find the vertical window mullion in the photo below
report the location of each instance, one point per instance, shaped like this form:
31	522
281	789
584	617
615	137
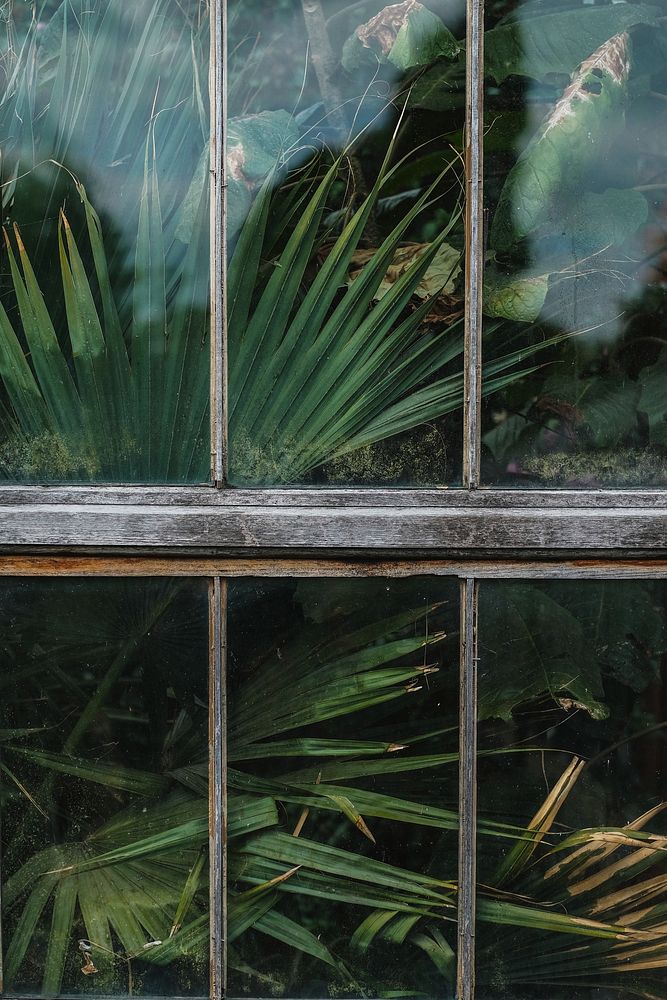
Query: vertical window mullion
217	784
467	790
218	99
474	251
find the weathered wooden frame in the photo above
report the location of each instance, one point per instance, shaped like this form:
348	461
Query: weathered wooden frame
468	523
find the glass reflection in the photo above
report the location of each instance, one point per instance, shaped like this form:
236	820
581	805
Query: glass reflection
104	371
345	228
103	787
575	184
571	791
343	780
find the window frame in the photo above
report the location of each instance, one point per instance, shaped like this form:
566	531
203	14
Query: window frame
219	532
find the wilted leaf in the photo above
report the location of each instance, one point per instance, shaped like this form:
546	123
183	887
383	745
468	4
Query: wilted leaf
440	277
405	34
575	135
255	144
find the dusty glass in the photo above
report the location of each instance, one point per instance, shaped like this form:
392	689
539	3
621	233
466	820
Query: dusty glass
342	788
575	181
572	758
104	366
104	787
345	233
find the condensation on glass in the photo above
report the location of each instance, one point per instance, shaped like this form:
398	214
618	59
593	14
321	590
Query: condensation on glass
575	184
571	836
104	128
104	787
342	788
346	241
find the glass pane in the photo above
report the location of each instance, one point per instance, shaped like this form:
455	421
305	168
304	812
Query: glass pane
104	787
345	231
104	369
575	184
343	783
572	830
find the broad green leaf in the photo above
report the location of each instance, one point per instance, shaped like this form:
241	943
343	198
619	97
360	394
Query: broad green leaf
597	221
576	237
407	35
541	44
612	617
440	88
506	439
518	297
605	406
552	655
574	136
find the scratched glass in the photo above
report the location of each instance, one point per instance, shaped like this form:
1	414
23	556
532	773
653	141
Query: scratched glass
104	358
345	233
575	184
572	831
104	788
343	784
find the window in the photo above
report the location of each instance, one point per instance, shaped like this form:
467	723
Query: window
333	538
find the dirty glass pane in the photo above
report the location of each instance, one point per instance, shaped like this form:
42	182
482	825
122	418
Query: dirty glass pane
575	185
572	891
103	787
342	791
345	232
104	370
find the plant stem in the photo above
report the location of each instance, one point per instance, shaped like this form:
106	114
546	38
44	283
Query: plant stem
324	62
327	68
